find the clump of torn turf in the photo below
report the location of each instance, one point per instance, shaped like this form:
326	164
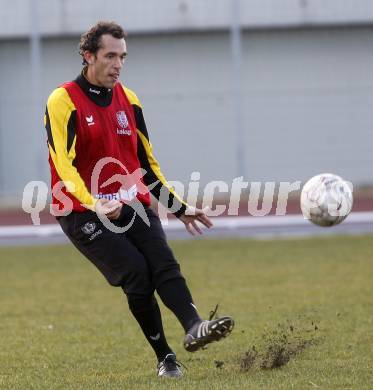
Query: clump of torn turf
279	345
247	361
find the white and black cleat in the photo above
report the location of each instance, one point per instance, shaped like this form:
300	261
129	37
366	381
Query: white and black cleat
206	332
169	367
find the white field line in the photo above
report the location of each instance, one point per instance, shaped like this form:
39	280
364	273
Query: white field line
230	223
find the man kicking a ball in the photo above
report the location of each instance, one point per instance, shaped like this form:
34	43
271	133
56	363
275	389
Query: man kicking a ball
94	121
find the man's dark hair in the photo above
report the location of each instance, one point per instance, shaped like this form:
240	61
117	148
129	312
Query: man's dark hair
91	40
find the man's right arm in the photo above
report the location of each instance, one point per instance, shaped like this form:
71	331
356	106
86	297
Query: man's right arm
60	118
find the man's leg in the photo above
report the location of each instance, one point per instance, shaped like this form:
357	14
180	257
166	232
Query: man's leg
122	265
176	296
147	313
171	285
166	275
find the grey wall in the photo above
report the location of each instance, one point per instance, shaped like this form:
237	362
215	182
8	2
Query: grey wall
20	141
23	151
66	17
307	98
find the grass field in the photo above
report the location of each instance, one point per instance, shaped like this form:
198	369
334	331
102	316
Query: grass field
306	306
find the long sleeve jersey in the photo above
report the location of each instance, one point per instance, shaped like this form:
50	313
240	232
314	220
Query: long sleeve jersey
99	148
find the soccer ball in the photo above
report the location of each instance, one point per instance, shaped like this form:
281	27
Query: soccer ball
326	199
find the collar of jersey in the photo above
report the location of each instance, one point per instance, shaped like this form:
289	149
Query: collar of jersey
100	95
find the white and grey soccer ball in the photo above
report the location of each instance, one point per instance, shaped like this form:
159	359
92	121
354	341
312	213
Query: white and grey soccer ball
326	199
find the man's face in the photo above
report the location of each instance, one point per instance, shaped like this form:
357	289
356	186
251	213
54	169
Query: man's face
105	66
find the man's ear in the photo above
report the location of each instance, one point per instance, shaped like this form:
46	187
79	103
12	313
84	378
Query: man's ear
89	57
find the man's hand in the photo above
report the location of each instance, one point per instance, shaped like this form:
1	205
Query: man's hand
110	208
190	217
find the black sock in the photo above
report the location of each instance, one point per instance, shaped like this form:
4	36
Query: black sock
176	296
147	313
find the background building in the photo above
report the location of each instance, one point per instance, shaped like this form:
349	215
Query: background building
292	99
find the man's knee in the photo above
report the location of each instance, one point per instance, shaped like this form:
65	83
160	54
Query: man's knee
137	282
139	303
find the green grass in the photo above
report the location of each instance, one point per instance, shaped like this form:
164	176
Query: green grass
63	327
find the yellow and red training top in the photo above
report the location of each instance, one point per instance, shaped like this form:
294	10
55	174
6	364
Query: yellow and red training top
98	141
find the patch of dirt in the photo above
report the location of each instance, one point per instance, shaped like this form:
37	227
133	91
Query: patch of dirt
279	345
248	360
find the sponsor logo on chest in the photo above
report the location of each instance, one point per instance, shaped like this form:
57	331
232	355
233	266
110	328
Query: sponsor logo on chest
123	123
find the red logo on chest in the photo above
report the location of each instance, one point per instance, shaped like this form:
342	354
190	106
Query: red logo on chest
122	119
123	123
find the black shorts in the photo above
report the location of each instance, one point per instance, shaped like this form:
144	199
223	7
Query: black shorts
139	259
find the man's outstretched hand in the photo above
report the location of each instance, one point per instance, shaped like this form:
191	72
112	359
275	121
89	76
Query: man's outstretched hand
190	218
110	208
